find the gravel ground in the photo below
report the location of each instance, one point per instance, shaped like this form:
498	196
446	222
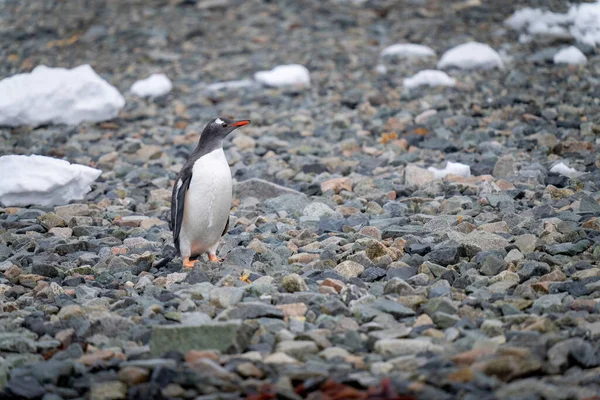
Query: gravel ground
370	279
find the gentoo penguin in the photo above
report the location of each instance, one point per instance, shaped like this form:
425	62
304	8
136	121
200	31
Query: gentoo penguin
202	194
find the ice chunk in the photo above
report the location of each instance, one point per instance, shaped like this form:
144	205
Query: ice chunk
452	168
381	69
407	50
570	55
428	77
562	169
57	96
284	75
230	85
155	85
581	22
528	17
43	181
471	55
586	23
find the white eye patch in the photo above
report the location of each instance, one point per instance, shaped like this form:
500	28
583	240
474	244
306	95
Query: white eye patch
218	121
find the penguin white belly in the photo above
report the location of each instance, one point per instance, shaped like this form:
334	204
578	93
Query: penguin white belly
207	204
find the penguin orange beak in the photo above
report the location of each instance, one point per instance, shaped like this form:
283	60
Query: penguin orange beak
241	123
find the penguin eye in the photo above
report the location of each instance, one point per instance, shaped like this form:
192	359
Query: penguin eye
224	125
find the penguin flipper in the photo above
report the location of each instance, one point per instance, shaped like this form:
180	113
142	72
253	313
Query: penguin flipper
226	227
177	204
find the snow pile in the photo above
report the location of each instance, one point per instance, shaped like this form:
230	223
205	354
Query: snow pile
452	168
535	21
58	96
155	85
230	85
407	50
471	55
428	77
570	55
562	169
284	75
381	69
581	22
43	181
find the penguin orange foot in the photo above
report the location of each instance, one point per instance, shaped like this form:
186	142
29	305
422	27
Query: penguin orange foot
245	277
214	258
187	263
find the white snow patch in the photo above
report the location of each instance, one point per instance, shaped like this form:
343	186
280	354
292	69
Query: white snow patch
155	85
428	77
407	50
562	169
230	85
43	181
57	96
570	55
451	168
581	22
381	69
284	75
471	55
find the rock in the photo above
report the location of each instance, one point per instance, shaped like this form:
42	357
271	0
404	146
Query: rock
492	327
14	342
297	348
505	166
64	233
417	176
51	220
334	352
514	256
132	376
302	258
294	283
70	311
97	357
72	210
25	387
526	243
334	283
260	189
250	310
401	347
337	185
446	255
475	242
292	203
113	390
317	209
391	307
280	358
533	268
349	269
223	336
398	286
440	304
492	265
226	296
293	309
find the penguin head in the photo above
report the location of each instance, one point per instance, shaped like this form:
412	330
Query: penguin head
219	128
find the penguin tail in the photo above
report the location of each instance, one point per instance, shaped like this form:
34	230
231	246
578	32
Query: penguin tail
168	254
